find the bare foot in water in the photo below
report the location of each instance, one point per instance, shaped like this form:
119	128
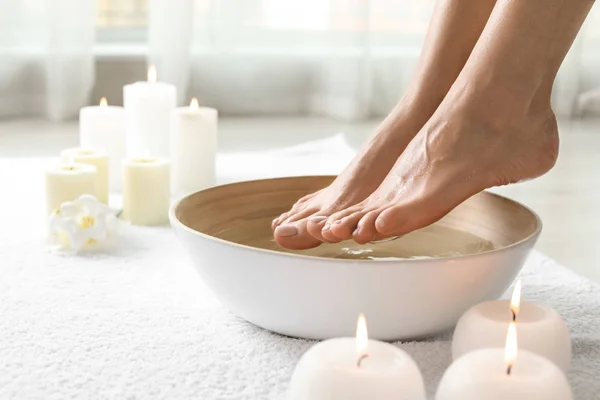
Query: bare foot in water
454	30
461	151
494	127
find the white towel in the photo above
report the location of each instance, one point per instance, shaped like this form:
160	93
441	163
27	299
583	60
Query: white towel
138	323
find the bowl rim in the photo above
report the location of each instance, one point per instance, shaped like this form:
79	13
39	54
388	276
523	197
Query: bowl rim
176	222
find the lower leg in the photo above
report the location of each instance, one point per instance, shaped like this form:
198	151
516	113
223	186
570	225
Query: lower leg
454	30
494	127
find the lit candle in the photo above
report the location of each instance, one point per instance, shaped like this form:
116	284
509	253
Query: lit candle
146	191
356	369
193	147
103	128
66	182
500	374
149	105
541	329
97	159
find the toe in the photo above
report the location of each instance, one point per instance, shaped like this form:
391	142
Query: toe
391	221
295	236
345	227
365	230
404	218
315	225
327	234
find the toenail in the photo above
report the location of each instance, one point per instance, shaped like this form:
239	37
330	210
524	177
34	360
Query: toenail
327	226
317	219
286	230
380	222
356	231
339	221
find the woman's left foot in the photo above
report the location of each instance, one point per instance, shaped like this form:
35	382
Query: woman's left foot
466	147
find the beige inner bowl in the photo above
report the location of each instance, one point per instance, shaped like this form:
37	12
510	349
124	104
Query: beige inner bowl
242	213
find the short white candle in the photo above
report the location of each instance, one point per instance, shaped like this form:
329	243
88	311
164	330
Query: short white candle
146	191
95	158
66	182
356	369
104	128
193	148
541	329
500	374
149	105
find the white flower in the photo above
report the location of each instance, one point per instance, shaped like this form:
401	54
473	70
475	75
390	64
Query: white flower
78	223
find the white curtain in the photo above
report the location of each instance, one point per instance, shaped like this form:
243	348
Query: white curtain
46	57
349	59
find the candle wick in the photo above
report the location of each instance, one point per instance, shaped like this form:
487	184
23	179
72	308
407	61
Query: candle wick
508	369
514	315
360	359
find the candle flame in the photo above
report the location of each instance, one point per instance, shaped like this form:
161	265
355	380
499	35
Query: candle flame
194	103
515	302
362	336
510	350
152	73
103	102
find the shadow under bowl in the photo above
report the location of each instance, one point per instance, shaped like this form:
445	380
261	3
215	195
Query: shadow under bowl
226	231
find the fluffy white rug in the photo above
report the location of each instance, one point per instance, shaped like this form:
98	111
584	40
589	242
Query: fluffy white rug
137	322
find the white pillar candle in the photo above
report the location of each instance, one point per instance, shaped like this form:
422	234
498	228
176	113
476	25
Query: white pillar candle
146	191
193	148
500	374
66	182
541	330
97	159
356	369
104	128
149	105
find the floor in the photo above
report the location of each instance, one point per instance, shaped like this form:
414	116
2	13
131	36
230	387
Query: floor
567	198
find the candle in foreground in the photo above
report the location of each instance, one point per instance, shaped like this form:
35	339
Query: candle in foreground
356	369
501	374
149	105
193	148
66	182
97	159
541	329
103	128
146	191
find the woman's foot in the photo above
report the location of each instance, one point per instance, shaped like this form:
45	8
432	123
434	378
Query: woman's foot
454	29
466	147
300	228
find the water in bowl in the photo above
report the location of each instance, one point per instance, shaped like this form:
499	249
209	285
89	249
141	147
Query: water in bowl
435	241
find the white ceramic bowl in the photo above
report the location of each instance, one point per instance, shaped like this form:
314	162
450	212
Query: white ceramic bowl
298	294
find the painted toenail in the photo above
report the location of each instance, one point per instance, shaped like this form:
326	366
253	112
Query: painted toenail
317	219
327	226
286	230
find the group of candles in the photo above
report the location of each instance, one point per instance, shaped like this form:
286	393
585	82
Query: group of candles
148	150
488	364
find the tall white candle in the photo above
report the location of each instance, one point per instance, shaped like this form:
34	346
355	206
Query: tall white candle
356	369
104	128
541	329
146	191
149	105
66	182
501	374
193	148
97	159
